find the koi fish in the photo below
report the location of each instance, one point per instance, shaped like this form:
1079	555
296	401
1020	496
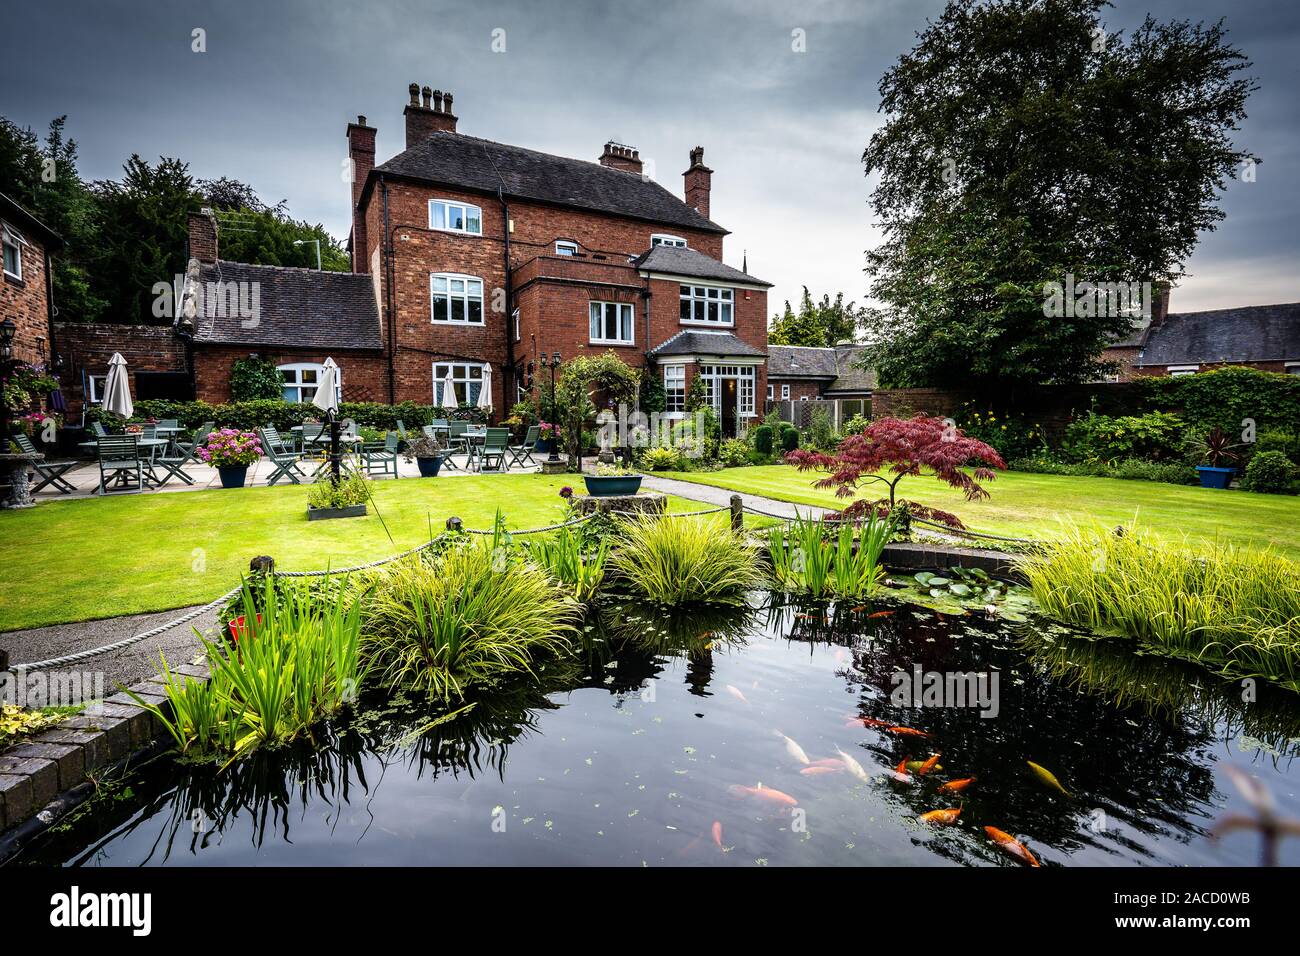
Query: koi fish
811	617
765	793
859	609
793	749
873	722
835	763
908	731
927	766
956	786
940	818
914	765
879	614
899	773
717	832
813	771
1012	846
735	692
1047	777
853	766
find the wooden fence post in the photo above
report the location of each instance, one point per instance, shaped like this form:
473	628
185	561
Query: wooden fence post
453	524
737	513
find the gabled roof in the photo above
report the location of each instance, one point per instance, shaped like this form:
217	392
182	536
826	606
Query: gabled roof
454	159
850	376
300	308
691	263
29	225
837	366
719	344
1257	333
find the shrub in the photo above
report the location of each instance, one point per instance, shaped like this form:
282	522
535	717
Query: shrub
1278	439
1173	473
763	439
1013	436
733	453
255	379
685	560
661	459
1271	472
352	488
1227	396
284	415
789	438
1157	436
856	425
812	559
821	434
561	556
469	617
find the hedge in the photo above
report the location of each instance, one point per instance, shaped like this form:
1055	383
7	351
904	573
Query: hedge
1227	396
284	415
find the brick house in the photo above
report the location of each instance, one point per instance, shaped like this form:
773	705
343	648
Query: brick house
1265	337
798	373
25	281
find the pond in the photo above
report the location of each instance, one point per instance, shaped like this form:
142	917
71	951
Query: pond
720	739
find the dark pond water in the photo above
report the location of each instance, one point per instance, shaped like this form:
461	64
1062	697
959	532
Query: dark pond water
667	747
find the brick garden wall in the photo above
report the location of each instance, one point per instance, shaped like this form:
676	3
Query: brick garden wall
1050	406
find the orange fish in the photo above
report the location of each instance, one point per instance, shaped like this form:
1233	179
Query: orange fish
765	793
879	614
835	763
908	731
1012	846
956	786
813	771
928	765
859	609
717	832
940	818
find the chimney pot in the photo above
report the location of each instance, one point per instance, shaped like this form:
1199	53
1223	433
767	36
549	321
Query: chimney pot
437	101
361	120
425	94
446	102
414	90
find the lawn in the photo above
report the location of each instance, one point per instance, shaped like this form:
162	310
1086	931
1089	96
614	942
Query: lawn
92	558
1031	505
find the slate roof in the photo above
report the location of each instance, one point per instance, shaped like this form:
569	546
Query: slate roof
679	261
295	308
29	225
691	342
454	159
836	367
1257	333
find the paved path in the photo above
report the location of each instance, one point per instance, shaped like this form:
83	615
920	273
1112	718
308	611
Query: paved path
722	496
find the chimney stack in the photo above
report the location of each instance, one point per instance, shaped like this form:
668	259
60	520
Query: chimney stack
203	235
361	154
618	156
428	112
699	180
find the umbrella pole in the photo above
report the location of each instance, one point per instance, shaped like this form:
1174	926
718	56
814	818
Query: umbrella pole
334	446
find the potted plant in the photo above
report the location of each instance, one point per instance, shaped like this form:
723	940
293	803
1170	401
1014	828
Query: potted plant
345	498
1217	449
611	480
231	451
548	434
429	454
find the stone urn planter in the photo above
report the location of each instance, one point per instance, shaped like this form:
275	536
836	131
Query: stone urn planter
232	476
322	514
13	472
429	467
607	486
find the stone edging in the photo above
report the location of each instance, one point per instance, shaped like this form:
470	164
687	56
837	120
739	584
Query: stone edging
37	772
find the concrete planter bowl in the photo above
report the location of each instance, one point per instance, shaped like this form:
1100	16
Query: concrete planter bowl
322	514
605	486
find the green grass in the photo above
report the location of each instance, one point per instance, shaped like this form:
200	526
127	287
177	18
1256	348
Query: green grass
1030	505
91	558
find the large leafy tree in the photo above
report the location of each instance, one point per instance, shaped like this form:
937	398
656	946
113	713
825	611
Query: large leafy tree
1024	142
818	324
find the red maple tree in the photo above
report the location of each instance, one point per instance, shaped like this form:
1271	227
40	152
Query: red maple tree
890	449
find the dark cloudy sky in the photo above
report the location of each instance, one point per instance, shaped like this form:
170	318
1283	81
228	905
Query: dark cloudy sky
268	101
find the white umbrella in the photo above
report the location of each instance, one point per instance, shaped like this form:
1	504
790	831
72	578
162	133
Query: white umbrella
327	389
485	390
117	388
449	391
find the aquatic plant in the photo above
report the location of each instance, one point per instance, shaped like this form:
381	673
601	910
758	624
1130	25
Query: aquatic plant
1234	610
820	560
685	560
470	616
561	556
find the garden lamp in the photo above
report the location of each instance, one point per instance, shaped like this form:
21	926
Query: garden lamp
553	364
7	330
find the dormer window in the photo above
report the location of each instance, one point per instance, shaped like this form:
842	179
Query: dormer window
664	239
565	248
448	215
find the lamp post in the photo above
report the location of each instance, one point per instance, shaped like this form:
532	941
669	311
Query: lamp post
7	332
553	364
299	242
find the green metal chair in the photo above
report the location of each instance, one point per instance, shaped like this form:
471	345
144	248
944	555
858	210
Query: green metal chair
98	429
189	450
381	459
522	454
119	457
284	460
51	472
496	445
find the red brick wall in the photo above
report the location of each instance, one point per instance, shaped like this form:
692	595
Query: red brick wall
1159	370
799	389
363	373
26	303
86	349
1050	406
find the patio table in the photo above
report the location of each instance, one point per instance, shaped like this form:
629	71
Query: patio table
150	444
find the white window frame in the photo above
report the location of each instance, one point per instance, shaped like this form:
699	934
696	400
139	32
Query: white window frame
1292	368
465	297
463	376
746	377
514	323
700	296
563	247
1176	371
667	239
622	309
674	388
770	393
447	205
298	385
785	393
95	388
13	239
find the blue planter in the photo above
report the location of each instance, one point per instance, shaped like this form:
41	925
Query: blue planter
232	476
606	486
429	466
1215	477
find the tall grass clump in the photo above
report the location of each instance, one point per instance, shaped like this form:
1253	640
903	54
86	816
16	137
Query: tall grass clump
560	555
1234	610
296	661
685	560
811	559
473	615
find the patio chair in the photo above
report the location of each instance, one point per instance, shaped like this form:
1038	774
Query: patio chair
523	453
401	430
189	450
284	460
119	456
169	423
381	458
51	472
496	444
98	429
